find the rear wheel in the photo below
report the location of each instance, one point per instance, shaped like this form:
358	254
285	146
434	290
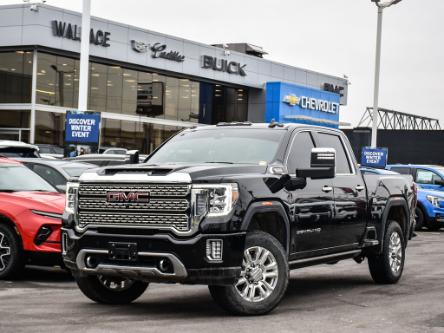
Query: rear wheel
110	290
263	280
11	254
419	214
387	267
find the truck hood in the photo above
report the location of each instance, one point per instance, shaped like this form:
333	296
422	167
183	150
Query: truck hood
52	202
177	172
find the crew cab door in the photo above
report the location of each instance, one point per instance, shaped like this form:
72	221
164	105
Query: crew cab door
313	205
346	228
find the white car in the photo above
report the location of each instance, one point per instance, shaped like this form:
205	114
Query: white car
18	149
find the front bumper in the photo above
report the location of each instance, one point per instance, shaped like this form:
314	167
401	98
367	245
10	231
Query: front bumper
88	254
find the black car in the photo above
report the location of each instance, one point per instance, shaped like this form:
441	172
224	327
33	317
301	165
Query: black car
235	207
103	160
56	172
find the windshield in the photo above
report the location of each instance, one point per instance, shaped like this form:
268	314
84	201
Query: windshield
19	178
225	145
76	171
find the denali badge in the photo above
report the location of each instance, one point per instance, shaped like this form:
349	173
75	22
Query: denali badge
139	197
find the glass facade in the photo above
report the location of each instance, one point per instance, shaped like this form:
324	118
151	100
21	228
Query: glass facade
15	77
113	89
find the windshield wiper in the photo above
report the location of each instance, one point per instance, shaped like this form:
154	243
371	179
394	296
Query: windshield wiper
7	191
220	162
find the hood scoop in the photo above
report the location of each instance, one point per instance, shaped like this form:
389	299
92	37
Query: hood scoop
146	171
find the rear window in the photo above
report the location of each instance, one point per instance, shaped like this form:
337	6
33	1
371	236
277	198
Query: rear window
18	152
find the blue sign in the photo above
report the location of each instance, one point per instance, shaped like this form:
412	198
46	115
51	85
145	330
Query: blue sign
82	127
374	157
290	103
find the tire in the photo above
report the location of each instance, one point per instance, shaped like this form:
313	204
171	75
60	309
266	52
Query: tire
387	267
420	216
261	293
104	289
11	254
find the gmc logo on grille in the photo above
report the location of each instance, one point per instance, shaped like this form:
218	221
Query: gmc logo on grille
139	197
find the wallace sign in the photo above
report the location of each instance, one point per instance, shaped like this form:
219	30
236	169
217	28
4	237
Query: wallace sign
72	31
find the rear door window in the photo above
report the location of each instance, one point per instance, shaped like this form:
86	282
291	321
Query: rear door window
324	140
51	175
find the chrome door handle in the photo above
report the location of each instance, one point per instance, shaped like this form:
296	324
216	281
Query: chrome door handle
359	188
327	189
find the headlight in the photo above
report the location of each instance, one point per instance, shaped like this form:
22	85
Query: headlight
71	197
47	214
214	199
435	200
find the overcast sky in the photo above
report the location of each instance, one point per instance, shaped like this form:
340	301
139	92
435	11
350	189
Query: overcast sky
331	36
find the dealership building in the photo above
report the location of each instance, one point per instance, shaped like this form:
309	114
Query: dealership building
146	85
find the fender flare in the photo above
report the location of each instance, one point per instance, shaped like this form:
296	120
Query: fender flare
274	207
394	202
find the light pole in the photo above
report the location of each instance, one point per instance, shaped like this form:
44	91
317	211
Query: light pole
84	56
381	6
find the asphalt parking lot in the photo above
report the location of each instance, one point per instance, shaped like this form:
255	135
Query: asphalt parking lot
338	298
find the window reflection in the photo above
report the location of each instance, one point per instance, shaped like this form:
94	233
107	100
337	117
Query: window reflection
131	135
49	128
57	80
15	77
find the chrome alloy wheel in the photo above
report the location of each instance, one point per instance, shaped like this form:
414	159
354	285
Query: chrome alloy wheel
259	274
115	283
5	252
395	252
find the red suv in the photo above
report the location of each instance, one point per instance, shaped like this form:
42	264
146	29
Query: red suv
30	219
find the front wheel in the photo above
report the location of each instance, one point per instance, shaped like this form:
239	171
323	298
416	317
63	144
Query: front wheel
387	267
11	254
110	290
263	280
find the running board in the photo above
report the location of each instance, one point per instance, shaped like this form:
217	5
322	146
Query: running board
370	242
323	259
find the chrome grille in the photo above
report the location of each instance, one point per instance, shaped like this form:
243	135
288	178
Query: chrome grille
177	221
168	206
156	190
100	204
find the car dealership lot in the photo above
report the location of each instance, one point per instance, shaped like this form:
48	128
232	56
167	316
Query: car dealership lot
339	298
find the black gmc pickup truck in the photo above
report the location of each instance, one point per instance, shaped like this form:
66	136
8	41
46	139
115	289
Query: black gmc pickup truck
234	206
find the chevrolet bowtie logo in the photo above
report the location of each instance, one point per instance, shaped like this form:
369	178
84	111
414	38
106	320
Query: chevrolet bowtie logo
291	99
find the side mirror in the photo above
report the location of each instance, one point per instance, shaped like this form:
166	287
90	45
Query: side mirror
323	164
132	157
439	182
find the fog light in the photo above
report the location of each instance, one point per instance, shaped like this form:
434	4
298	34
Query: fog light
42	235
214	250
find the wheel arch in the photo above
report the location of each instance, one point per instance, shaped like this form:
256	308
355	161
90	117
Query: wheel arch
271	217
396	209
7	220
